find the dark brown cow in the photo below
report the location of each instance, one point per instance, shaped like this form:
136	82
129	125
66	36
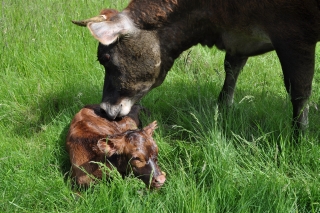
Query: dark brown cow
139	44
120	144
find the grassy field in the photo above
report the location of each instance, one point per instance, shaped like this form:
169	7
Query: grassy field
215	161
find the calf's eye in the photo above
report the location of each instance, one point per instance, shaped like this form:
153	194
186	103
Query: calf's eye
134	158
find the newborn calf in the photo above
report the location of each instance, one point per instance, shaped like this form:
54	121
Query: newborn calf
118	144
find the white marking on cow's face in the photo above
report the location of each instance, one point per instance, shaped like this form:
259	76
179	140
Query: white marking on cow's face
126	105
133	67
157	64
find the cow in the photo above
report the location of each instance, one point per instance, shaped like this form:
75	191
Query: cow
138	45
93	139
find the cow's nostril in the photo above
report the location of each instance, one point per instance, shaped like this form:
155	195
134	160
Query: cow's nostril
102	111
103	108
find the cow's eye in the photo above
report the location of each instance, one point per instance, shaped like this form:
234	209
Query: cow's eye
106	57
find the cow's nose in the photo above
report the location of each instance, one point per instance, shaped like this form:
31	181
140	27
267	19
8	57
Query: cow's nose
102	111
105	114
109	110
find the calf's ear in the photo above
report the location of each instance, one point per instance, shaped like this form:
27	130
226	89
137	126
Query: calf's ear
107	32
112	146
105	148
150	128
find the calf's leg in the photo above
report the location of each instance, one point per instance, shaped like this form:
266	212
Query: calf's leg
81	166
232	65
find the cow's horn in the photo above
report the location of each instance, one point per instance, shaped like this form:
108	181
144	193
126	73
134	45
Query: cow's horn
84	23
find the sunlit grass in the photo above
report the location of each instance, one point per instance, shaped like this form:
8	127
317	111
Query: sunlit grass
237	160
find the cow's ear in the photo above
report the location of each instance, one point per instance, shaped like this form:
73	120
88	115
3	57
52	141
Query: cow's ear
107	32
108	13
105	15
112	146
150	128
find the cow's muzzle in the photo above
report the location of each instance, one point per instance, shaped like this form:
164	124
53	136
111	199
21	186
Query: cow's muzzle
117	110
111	111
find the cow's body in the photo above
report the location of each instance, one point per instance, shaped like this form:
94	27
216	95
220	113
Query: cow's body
142	42
93	139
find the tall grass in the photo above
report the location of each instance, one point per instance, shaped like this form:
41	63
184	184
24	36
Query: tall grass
236	160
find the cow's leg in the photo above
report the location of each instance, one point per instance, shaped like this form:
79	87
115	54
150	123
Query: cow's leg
297	61
232	66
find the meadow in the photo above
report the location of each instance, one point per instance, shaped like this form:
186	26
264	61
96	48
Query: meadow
236	160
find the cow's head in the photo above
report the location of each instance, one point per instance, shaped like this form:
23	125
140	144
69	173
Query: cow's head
131	57
137	152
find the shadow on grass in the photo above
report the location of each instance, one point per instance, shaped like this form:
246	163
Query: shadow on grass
52	114
185	112
53	108
65	164
191	112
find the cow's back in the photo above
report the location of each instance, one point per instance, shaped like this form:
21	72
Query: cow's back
285	16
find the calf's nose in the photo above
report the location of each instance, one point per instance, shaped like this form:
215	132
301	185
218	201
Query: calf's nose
160	179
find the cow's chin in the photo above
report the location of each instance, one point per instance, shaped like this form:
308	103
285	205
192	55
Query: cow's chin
119	110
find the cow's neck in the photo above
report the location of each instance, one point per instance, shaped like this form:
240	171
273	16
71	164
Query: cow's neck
178	25
185	33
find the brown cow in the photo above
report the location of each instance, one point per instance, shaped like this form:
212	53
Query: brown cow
138	45
118	144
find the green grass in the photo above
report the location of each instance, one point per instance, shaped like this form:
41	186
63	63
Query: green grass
215	161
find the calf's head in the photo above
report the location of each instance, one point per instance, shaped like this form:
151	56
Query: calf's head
131	58
136	152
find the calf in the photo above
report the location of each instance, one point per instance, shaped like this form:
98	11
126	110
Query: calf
118	144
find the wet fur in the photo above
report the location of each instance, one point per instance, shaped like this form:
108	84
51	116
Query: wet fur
93	138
